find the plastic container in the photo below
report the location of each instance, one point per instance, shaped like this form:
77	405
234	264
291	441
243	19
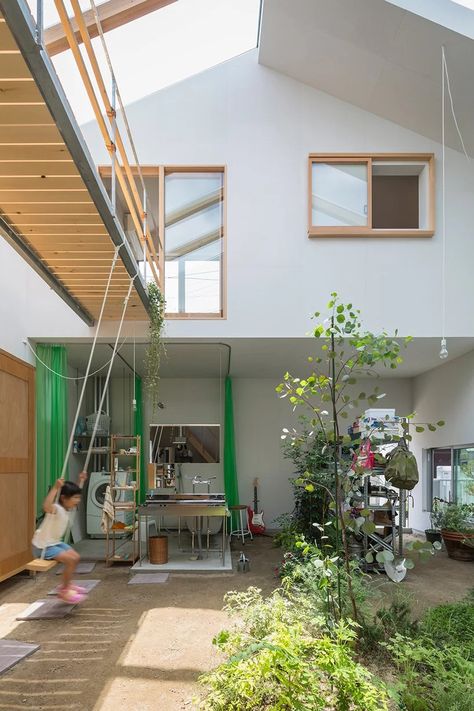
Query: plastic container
380	413
158	550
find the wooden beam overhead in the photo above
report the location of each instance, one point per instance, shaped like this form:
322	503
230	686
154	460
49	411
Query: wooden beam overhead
53	207
112	14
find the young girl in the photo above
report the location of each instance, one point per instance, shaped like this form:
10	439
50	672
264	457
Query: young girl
47	541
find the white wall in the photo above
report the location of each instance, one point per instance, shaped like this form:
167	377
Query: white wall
262	125
445	393
28	307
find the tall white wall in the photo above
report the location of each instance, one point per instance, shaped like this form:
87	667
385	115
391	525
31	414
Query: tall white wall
445	393
263	125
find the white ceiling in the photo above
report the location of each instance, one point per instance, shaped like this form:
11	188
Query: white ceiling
251	357
375	55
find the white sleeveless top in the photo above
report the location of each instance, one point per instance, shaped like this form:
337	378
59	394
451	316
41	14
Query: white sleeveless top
52	528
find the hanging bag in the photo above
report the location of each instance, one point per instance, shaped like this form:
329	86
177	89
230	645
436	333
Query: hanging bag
401	469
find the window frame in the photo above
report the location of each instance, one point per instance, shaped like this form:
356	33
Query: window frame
164	171
369	231
430	470
159	172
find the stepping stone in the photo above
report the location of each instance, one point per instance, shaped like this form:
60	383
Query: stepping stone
12	652
148	578
87	584
46	609
85	567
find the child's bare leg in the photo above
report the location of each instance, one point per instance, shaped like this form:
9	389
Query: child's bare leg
69	559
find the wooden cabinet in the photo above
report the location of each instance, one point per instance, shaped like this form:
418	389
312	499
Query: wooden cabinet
17	463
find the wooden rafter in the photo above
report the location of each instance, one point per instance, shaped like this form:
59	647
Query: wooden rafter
46	209
112	14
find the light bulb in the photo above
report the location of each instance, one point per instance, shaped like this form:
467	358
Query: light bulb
134	405
443	354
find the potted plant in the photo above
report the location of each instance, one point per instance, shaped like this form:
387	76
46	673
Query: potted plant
433	534
457	529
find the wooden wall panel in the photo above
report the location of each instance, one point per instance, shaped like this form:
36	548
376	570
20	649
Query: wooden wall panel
17	463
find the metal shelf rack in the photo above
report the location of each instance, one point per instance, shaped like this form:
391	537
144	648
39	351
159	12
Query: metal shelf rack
120	449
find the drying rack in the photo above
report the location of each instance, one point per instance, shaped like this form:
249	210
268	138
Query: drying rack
392	537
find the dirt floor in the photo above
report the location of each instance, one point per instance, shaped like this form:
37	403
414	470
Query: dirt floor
142	648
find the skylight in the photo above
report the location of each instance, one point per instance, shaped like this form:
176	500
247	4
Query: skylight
465	3
164	47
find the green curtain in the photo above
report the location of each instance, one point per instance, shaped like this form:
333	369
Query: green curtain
138	430
51	417
230	469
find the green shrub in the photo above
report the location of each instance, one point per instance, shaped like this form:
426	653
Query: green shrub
311	460
430	677
457	517
391	618
314	580
282	659
451	624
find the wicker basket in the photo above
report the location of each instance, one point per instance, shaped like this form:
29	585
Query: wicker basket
103	425
158	549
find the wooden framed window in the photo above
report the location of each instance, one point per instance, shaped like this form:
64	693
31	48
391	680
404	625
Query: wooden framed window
188	205
194	239
371	195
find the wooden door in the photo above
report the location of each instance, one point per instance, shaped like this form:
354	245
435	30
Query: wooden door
17	463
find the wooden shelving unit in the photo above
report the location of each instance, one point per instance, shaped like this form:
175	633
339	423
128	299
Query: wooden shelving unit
122	543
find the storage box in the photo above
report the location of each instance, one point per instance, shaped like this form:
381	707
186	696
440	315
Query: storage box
380	422
380	413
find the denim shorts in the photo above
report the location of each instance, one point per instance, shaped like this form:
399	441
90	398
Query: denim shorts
51	551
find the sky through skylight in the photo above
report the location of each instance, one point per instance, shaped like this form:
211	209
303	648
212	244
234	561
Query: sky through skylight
466	3
163	47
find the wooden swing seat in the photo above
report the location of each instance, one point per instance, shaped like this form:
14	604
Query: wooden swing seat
40	565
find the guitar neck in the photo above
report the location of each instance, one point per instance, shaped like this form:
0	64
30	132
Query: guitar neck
255	499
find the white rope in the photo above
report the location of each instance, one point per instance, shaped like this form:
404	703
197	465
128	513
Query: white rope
448	86
68	377
83	389
106	384
443	198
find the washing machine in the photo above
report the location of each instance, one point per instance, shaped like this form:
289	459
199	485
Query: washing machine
98	482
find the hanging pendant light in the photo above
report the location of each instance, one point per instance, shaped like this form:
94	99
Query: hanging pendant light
443	354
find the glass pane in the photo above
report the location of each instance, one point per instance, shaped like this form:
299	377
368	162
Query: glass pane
340	194
193	242
442	475
464	475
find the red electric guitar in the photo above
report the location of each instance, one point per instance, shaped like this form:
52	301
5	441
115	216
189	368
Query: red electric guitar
256	522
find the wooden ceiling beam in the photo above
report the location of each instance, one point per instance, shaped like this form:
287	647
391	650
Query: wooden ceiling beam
112	14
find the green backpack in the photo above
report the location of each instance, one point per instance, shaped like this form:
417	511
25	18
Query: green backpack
401	469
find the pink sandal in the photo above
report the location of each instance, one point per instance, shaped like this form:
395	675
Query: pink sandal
71	596
79	589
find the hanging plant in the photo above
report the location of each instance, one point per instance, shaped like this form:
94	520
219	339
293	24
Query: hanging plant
156	348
